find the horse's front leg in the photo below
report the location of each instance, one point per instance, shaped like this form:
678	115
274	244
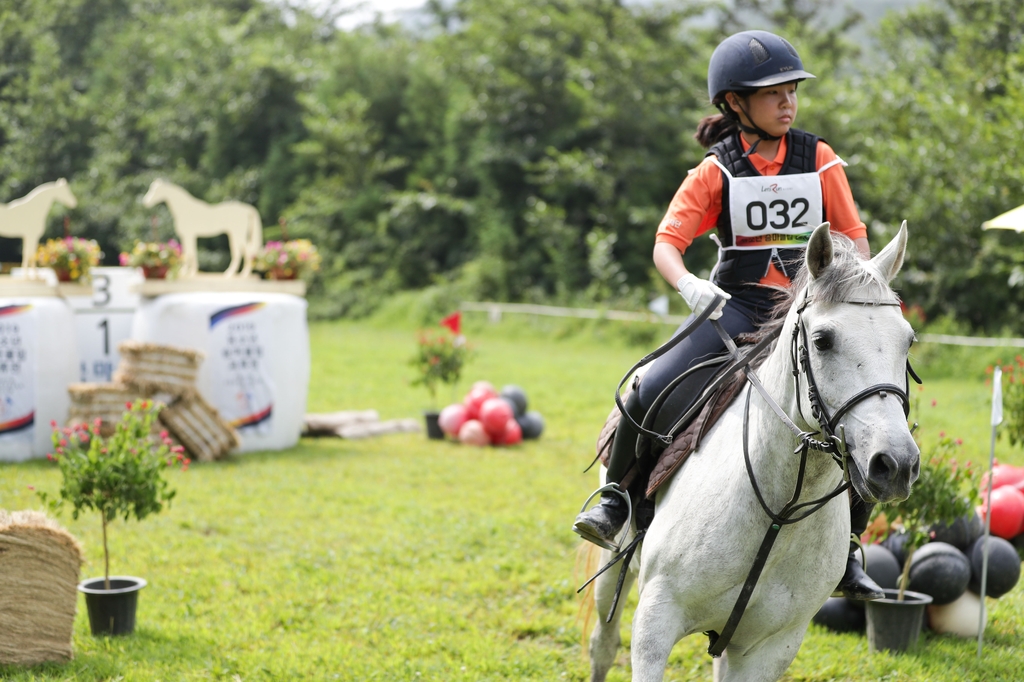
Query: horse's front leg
189	254
604	641
29	246
658	624
767	663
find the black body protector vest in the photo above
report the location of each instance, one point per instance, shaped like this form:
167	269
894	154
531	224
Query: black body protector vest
765	219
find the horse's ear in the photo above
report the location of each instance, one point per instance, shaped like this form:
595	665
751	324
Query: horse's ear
61	181
890	259
819	250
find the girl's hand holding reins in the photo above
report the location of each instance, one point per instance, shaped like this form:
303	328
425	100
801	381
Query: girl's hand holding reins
699	293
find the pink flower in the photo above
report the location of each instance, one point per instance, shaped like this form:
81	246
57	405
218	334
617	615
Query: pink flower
128	405
53	423
959	441
934	403
31	487
50	457
942	434
63	442
124	259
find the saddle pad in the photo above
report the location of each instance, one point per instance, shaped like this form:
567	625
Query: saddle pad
687	441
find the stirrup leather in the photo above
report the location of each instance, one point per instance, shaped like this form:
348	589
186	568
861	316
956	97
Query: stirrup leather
600	542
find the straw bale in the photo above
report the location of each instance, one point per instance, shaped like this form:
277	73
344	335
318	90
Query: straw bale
39	573
151	368
199	427
103	401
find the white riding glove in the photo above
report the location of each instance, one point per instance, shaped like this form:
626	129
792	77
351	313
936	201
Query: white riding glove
699	293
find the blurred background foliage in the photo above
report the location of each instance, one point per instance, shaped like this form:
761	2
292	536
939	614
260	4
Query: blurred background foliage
508	150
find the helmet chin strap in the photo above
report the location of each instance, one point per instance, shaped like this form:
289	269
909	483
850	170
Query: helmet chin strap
752	130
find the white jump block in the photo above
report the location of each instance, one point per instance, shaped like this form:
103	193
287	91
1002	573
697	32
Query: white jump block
38	359
257	362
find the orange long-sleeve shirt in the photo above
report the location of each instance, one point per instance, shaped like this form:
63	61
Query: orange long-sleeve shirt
698	201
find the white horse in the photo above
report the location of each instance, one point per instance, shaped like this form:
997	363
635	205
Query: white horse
26	218
709	524
195	218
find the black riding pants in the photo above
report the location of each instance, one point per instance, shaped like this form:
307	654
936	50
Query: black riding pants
704	343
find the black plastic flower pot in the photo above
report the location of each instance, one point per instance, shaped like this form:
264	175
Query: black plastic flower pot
895	625
434	431
112	612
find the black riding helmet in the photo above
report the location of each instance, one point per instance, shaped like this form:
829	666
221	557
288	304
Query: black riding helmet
750	60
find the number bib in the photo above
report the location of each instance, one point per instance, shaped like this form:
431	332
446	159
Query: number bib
778	211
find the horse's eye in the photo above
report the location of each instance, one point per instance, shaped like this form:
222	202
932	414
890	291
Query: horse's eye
822	341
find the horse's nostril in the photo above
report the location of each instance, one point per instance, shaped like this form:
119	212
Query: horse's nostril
915	470
883	468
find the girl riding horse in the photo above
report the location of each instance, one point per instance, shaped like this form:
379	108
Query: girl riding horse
764	186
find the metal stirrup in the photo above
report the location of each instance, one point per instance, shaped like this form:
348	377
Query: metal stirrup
609	488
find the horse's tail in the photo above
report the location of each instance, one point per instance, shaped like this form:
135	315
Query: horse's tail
588	557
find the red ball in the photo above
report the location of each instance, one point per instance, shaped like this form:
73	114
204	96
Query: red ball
486	385
477	397
1007	512
1003	474
494	414
452	418
472	433
513	433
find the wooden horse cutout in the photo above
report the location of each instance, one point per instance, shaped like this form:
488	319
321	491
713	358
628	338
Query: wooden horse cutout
195	218
26	218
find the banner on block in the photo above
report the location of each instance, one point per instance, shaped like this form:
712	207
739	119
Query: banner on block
17	373
242	389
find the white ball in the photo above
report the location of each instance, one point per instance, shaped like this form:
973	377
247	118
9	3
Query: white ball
958	617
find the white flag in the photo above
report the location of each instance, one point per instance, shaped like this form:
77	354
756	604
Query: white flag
997	396
659	306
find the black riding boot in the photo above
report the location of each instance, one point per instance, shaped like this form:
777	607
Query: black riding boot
602	522
857	584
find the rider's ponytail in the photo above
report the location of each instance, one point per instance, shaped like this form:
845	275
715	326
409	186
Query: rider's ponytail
713	128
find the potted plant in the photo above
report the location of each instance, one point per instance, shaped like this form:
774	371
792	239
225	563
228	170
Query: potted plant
287	260
117	476
157	259
71	258
439	359
944	492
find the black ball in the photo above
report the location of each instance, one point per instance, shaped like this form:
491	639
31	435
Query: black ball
941	571
882	566
839	614
961	533
532	424
1018	542
895	544
1003	566
516	396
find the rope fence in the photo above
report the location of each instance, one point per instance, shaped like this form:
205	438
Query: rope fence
496	310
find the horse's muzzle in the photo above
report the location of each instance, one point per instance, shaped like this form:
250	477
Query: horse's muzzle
890	476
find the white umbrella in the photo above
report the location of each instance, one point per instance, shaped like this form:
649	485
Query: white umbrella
1011	220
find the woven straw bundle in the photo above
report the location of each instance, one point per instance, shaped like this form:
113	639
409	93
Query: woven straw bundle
154	368
100	401
199	427
39	572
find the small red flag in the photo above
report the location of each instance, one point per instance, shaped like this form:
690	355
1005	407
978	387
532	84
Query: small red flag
453	322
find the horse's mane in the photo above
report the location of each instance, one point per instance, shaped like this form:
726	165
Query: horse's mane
849	272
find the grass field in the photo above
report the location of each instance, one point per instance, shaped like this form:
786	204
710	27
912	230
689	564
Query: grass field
399	558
